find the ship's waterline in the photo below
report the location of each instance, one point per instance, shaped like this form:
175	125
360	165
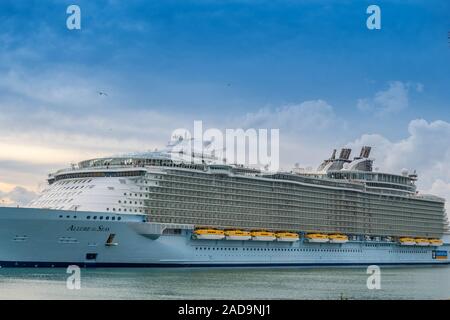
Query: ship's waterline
152	210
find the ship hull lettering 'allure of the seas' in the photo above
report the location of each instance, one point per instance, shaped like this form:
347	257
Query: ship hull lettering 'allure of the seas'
154	209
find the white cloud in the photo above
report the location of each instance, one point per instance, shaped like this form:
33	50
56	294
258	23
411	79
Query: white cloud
426	149
60	117
17	196
310	115
50	119
48	138
308	130
55	88
42	127
419	87
390	101
441	188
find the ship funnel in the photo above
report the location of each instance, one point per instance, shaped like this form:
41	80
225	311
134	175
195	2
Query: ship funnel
365	152
345	154
333	155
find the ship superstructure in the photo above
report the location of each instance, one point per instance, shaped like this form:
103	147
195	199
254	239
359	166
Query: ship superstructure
189	208
343	195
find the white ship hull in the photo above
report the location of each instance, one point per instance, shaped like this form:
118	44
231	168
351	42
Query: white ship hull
56	238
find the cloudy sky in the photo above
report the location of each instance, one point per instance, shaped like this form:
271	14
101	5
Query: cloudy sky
310	68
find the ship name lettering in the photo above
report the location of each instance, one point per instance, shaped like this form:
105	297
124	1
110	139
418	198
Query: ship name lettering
95	229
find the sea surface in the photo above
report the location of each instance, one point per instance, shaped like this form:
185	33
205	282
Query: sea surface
268	283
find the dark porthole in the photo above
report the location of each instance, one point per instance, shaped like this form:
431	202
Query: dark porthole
107	218
101	218
119	218
88	217
95	218
113	218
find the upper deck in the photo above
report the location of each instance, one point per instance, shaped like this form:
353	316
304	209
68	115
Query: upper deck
334	172
340	197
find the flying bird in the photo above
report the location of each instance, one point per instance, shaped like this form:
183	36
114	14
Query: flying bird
101	93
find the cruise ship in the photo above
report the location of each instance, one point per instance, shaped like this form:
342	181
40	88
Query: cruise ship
159	209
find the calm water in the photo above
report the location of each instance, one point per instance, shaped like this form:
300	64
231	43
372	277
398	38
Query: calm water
350	283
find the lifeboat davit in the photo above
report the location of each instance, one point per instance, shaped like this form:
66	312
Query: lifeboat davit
317	237
338	238
407	241
287	236
422	242
436	242
237	235
209	234
263	236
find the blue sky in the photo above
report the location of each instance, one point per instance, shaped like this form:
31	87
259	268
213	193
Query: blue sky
271	52
229	63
